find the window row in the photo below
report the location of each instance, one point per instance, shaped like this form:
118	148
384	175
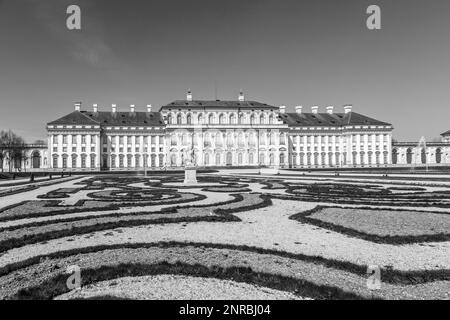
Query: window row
221	118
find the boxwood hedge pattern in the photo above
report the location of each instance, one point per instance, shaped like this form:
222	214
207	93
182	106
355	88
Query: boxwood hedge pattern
182	204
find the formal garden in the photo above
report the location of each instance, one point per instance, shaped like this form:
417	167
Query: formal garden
230	236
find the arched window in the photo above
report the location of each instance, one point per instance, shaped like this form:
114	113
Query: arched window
261	119
240	158
137	161
232	119
173	160
271	119
55	161
250	158
252	119
272	159
241	139
92	159
121	161
221	119
83	161
217	159
179	119
211	118
272	138
409	154
200	118
169	118
153	160
206	159
74	160
423	155
281	158
438	155
394	156
188	119
35	160
241	118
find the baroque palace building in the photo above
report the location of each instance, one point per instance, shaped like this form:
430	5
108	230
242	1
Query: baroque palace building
222	133
216	133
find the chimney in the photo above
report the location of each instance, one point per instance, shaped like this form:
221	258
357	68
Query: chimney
132	108
77	106
149	108
95	107
282	109
298	109
314	109
241	95
189	95
330	109
114	108
347	108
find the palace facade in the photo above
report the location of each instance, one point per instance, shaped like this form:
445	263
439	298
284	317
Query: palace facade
216	133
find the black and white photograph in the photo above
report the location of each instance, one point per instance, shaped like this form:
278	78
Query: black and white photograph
225	155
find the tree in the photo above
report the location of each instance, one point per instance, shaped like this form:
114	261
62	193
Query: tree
12	148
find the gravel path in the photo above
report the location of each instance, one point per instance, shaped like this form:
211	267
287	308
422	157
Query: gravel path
175	287
265	228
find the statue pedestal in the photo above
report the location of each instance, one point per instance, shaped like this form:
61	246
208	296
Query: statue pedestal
190	175
271	171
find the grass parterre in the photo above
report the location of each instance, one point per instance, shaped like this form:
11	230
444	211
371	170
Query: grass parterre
300	239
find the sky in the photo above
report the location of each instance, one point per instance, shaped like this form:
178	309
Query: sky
280	52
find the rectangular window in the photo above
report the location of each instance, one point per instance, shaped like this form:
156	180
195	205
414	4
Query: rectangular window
64	139
92	149
64	149
74	149
137	149
121	140
74	139
83	149
55	149
83	139
92	139
92	162
83	162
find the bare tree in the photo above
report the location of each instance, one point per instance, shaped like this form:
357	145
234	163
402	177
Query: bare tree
12	148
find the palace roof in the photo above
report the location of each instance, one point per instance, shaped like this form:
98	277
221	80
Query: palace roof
200	104
446	133
329	120
105	118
